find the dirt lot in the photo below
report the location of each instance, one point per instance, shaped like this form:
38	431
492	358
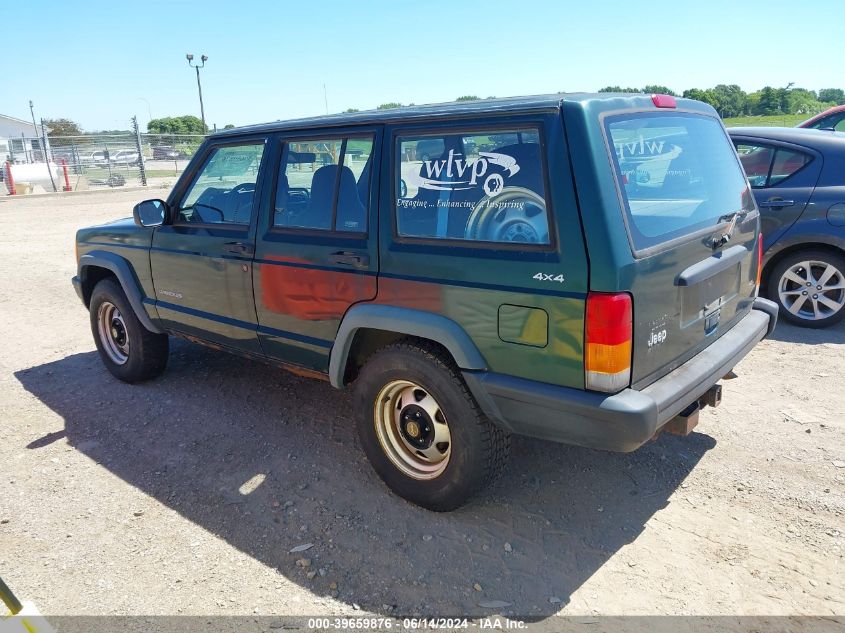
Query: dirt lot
185	495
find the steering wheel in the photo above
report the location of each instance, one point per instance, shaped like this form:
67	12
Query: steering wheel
514	214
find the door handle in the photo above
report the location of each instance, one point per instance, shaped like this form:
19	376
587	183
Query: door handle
238	248
345	258
776	203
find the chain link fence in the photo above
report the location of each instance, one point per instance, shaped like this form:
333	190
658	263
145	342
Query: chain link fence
91	161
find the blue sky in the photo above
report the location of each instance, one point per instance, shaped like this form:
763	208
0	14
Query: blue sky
99	63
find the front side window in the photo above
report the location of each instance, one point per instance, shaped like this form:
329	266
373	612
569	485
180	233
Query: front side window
677	172
324	185
479	186
224	189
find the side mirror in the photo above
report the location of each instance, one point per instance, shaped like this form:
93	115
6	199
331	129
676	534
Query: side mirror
150	213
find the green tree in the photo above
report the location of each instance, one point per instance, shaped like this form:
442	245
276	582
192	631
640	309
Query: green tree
832	95
657	89
350	110
467	98
707	96
388	106
229	126
618	89
187	124
801	101
62	127
732	100
770	101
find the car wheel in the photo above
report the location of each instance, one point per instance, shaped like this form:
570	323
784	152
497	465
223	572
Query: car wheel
422	430
809	287
129	350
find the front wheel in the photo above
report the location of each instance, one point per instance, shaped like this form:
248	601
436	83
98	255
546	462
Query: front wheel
422	430
129	350
809	287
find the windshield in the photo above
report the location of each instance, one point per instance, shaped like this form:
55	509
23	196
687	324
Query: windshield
678	173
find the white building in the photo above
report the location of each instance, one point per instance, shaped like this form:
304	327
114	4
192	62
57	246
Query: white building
18	142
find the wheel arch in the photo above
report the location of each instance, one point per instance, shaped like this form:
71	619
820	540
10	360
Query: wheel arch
366	327
817	243
98	265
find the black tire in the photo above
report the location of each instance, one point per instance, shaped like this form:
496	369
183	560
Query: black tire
805	318
478	448
147	352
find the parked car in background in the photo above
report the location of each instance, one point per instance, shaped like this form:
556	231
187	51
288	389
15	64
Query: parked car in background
124	157
798	179
165	152
89	158
832	119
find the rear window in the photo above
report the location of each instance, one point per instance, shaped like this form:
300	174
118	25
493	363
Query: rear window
677	172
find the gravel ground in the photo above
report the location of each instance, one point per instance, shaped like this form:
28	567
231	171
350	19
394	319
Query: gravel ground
185	495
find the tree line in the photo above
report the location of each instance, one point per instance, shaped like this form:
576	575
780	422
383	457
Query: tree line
733	101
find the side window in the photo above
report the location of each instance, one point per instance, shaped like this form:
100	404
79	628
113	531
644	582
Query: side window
479	186
766	166
324	184
756	161
223	191
835	121
786	163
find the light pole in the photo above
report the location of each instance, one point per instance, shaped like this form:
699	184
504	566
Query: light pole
34	127
203	58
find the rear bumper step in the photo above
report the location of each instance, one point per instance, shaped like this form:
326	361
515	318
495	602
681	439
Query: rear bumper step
625	420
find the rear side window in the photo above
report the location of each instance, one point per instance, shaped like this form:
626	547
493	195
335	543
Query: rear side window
677	172
472	186
766	166
324	184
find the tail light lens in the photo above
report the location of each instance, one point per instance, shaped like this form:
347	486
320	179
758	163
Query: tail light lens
608	333
759	261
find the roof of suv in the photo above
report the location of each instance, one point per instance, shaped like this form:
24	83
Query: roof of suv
453	108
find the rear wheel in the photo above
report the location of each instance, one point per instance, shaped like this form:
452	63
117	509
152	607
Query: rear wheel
129	350
422	430
809	287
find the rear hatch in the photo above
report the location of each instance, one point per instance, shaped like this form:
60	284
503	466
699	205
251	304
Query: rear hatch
691	223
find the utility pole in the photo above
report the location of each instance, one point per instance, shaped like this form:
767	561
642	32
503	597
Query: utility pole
34	127
203	58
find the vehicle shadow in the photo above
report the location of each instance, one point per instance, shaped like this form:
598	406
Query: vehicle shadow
194	437
788	333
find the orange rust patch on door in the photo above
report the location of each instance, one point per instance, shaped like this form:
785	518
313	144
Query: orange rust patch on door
311	294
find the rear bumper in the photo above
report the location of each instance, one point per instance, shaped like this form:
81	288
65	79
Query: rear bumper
625	420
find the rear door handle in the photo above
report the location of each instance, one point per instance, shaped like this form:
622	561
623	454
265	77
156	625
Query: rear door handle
776	202
238	248
345	258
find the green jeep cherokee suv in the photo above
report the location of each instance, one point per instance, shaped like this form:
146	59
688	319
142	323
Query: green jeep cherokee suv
578	268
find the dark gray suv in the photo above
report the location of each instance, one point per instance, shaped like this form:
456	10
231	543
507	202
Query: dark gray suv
798	179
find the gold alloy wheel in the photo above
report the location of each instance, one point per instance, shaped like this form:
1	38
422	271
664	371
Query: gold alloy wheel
412	430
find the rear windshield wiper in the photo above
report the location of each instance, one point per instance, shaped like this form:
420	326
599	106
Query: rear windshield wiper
723	238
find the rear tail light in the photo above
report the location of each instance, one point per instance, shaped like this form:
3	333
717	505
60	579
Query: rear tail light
759	261
608	333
